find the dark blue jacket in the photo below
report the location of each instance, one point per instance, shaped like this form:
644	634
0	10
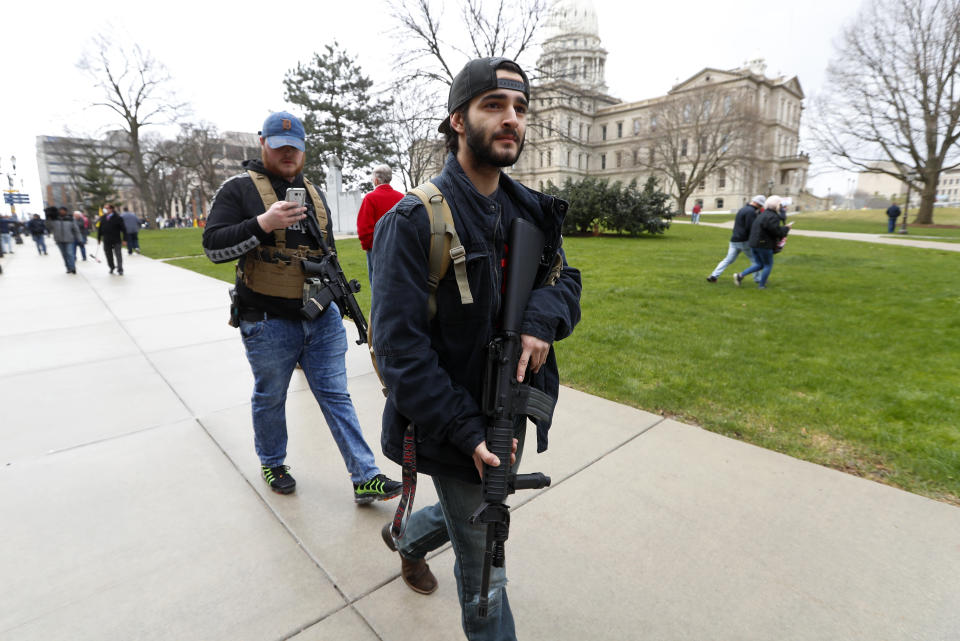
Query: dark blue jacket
742	224
434	369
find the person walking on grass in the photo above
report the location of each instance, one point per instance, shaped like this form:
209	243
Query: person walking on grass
695	214
765	233
739	239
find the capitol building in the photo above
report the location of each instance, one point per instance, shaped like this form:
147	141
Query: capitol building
576	129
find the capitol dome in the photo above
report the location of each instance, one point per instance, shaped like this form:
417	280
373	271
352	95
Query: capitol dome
571	47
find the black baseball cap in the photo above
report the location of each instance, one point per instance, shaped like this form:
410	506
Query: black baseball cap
480	75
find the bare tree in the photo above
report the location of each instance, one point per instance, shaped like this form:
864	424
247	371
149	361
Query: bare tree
135	89
434	47
200	150
892	99
696	134
412	133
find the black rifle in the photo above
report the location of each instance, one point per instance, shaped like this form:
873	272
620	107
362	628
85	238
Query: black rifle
326	282
505	401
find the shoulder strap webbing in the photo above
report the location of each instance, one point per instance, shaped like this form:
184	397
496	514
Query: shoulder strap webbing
444	245
262	183
317	205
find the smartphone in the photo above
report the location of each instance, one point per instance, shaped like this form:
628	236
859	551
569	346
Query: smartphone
296	195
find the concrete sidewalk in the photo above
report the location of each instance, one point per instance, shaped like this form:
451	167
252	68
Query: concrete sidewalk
132	506
881	239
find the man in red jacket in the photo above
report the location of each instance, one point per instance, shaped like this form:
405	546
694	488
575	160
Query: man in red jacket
374	205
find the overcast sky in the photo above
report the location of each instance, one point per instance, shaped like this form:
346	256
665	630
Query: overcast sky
229	62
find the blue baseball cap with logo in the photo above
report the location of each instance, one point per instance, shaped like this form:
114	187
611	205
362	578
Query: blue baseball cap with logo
282	129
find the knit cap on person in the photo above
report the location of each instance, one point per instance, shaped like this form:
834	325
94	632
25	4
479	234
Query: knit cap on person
773	202
759	199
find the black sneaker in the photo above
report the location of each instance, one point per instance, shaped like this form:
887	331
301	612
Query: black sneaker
737	278
278	479
711	279
379	488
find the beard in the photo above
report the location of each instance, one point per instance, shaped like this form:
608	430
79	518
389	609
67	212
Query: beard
276	168
482	146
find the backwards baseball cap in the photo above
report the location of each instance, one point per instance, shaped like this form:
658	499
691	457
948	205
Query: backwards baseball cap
760	200
283	129
480	75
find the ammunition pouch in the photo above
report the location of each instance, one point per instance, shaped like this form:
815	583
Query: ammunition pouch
273	271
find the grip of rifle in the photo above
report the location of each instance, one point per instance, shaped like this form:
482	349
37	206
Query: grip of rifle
500	443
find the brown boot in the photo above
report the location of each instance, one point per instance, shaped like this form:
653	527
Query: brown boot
416	574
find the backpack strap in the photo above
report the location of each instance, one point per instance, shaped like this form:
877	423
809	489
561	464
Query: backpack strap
445	245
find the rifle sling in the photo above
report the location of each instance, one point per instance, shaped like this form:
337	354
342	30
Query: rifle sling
405	506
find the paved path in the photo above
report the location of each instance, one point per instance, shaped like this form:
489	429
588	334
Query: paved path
132	507
882	239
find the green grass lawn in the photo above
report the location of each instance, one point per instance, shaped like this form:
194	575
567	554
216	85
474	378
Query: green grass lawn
851	357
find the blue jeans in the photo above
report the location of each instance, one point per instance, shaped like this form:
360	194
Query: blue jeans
430	527
6	243
891	224
41	243
695	218
274	347
763	263
732	253
370	269
66	250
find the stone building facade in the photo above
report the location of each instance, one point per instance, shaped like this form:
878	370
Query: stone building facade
576	129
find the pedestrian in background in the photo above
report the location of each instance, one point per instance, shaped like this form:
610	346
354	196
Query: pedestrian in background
66	233
695	214
739	239
765	233
83	223
111	230
131	225
374	205
38	231
6	234
893	212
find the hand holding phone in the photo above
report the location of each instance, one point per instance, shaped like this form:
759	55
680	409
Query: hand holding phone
296	195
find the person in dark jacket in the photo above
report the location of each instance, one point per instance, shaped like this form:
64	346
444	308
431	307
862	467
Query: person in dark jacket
38	231
765	233
111	230
434	369
7	224
131	224
66	233
893	212
271	241
740	237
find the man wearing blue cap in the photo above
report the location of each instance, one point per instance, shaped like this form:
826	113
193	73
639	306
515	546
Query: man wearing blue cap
433	366
251	222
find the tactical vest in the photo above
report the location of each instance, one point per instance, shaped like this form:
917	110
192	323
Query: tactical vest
276	271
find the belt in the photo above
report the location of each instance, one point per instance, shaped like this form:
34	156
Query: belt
254	315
